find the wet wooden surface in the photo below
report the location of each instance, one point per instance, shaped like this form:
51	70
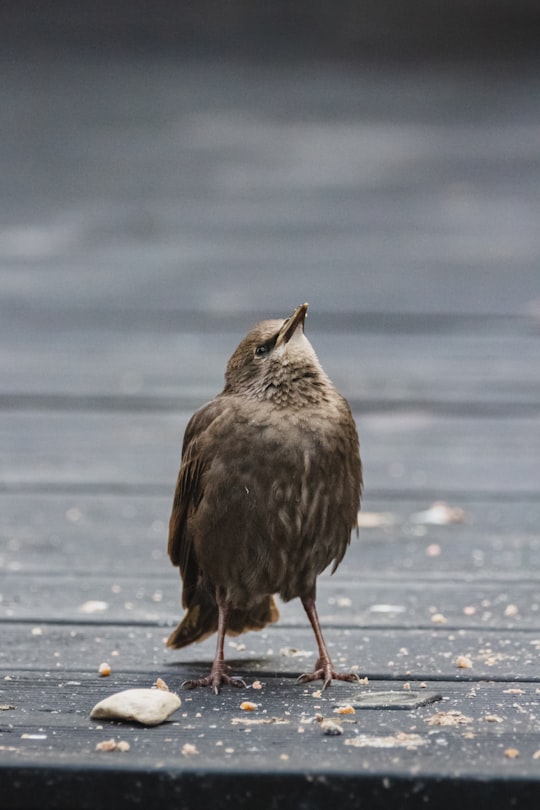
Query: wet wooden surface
152	210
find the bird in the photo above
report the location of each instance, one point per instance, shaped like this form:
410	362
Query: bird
267	495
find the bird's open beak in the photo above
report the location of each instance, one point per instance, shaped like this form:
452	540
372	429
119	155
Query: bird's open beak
291	324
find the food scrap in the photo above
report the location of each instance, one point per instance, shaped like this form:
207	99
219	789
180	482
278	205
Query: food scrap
112	745
345	710
248	706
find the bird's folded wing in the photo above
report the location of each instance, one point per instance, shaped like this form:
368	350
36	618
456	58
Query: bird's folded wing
188	495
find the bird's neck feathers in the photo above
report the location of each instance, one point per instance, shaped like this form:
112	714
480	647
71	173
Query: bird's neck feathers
287	381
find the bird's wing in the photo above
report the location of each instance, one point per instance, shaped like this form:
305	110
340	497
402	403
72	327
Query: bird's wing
187	497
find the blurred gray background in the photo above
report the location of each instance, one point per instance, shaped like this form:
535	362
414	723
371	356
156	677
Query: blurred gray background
173	171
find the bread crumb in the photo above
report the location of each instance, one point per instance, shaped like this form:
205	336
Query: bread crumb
248	706
463	662
511	753
451	718
331	728
106	745
160	684
104	669
123	746
345	710
189	750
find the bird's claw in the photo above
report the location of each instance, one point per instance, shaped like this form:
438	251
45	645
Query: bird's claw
327	675
215	680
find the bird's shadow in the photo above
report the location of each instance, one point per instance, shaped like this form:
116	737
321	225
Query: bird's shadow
244	667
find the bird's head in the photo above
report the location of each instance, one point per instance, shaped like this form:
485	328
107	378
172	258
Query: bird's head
275	361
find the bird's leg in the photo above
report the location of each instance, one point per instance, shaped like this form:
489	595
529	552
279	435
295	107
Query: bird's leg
324	669
218	676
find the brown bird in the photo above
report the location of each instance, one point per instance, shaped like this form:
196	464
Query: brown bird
267	494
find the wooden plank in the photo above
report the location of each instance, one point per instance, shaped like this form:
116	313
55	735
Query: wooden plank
388	653
416	451
126	367
50	728
345	600
423	174
105	536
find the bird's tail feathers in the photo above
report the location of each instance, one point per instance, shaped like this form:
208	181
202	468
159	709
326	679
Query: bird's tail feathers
201	620
258	616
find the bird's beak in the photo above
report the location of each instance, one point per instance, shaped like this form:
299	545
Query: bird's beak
291	325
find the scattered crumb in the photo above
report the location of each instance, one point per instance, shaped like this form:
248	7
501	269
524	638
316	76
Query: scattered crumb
331	728
493	718
406	686
423	685
37	631
469	610
316	694
248	706
106	745
511	753
463	662
514	691
451	718
258	721
345	710
294	653
256	685
189	750
399	740
511	610
284	757
433	550
6	707
123	746
373	520
363	681
104	669
344	601
93	606
160	684
536	754
440	514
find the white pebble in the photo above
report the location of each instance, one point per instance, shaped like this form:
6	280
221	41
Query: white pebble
146	706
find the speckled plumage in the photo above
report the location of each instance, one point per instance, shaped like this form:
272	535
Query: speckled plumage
268	490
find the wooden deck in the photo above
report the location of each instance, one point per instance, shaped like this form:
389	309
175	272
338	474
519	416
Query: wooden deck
152	210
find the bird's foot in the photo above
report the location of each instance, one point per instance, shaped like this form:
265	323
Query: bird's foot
216	678
326	673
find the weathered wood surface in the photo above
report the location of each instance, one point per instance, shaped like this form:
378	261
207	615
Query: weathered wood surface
152	210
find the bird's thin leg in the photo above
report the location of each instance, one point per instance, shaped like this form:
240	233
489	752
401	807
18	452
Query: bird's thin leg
324	669
218	676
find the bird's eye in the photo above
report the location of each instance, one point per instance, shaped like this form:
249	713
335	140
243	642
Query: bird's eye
262	351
